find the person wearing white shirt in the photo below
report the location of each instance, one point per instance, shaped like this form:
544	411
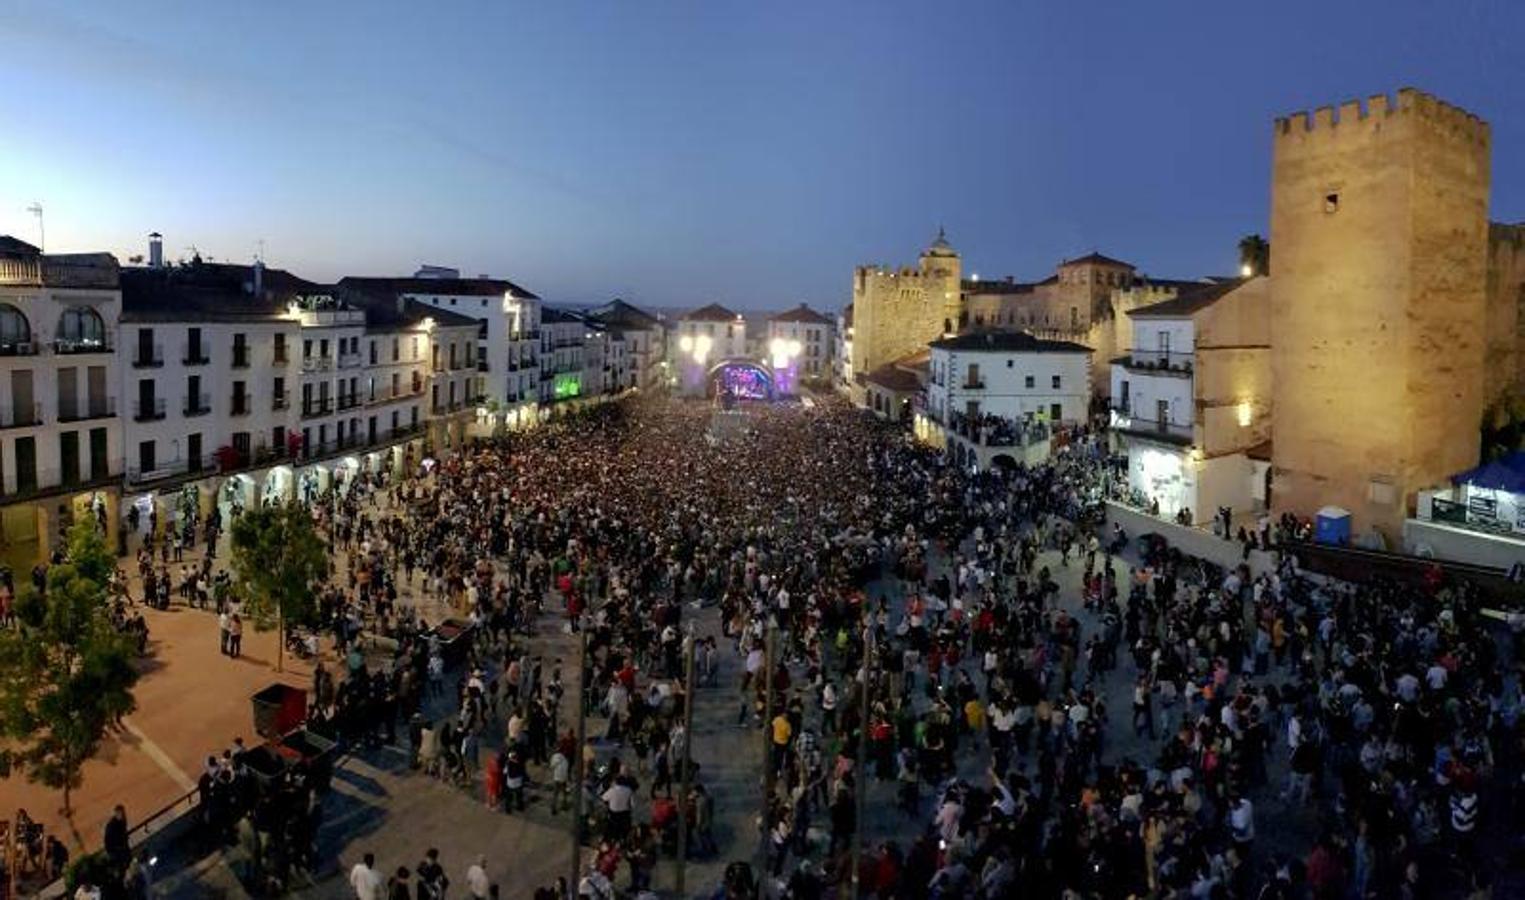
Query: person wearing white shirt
365	880
476	879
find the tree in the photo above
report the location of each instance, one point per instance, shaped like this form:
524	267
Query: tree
278	556
1254	255
66	672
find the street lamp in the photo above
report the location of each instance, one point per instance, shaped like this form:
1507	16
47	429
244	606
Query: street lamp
696	346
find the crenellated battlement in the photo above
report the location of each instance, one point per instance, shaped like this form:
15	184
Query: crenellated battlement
1367	115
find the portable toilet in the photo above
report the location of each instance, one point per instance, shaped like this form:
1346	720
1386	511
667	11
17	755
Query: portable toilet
1332	526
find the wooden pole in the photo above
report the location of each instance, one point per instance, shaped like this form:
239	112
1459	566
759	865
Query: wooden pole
860	770
767	732
688	743
578	768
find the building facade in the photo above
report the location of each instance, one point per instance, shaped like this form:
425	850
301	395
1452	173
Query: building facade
805	342
506	347
702	338
644	338
1191	401
60	435
993	393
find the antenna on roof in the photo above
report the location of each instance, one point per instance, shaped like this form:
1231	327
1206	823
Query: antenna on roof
42	235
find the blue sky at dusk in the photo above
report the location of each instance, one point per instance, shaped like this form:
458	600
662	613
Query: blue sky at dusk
676	153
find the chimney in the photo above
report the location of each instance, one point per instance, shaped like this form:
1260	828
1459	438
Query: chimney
259	278
156	250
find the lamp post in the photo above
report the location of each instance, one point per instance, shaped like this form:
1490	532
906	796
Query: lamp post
696	347
783	352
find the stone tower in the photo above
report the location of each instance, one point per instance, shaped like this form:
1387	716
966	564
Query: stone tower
1379	220
942	274
896	312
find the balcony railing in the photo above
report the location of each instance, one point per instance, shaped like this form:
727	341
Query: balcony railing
195	356
148	357
197	405
973	385
997	431
350	360
70	346
317	363
317	408
21	417
148	410
281	400
348	401
241	404
482	366
95	408
1162	361
1175	432
18	348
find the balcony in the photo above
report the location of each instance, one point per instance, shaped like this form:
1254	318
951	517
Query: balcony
18	348
1160	362
997	431
1150	428
148	410
195	356
240	357
281	400
71	346
281	357
349	401
24	417
482	366
973	385
144	357
317	408
95	408
241	404
197	405
317	363
350	361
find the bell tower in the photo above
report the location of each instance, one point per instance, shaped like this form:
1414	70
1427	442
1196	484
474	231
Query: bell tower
942	277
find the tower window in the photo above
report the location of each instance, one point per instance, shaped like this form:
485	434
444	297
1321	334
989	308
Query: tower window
1332	202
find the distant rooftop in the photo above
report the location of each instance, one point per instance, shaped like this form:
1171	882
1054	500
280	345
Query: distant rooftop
714	312
1006	342
1190	300
441	286
803	314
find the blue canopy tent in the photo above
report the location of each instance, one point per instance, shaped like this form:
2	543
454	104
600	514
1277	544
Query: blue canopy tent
1498	475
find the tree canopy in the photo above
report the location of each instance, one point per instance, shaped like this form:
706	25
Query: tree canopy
277	556
66	671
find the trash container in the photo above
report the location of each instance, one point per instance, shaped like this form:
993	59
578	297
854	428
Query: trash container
278	709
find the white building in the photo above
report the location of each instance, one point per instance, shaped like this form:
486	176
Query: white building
645	343
702	338
842	361
804	330
60	438
507	340
996	393
1191	401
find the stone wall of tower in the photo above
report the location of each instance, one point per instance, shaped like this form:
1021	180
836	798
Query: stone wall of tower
893	314
1379	220
1505	369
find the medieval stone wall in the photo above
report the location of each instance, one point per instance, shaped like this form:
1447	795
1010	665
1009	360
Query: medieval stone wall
1379	224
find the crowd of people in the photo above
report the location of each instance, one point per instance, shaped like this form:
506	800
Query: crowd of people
960	645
